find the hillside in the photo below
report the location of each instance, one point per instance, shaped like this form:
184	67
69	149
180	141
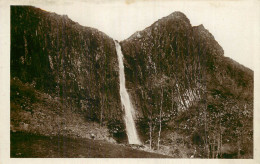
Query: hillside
182	85
75	65
189	99
35	146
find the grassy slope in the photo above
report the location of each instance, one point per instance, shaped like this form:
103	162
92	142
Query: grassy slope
33	146
35	112
38	120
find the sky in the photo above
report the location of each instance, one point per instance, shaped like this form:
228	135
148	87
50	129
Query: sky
235	25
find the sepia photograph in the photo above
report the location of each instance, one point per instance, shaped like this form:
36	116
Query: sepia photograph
132	79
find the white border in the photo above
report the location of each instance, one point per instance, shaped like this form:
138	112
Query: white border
5	97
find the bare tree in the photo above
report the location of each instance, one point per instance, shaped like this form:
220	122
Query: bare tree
160	120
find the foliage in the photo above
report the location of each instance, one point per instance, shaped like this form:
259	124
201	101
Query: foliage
22	96
117	129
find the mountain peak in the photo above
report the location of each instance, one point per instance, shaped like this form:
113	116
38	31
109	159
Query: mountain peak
203	34
176	20
177	14
201	26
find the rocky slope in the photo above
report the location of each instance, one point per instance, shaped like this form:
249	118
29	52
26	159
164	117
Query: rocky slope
75	67
190	99
62	58
181	83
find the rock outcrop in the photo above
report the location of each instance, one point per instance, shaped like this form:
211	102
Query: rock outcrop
180	81
66	60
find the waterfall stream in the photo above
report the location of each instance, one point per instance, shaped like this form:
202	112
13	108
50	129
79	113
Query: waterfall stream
126	102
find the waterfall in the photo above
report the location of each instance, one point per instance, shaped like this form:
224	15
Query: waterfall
125	100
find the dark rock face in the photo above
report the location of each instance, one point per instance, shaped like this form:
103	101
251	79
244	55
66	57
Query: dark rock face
66	60
185	92
180	72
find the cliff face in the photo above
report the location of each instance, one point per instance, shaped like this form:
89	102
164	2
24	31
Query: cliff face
157	56
181	82
75	65
186	93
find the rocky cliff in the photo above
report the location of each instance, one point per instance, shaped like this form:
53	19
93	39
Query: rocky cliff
181	83
75	65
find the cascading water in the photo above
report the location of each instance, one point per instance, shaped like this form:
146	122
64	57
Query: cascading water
125	100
